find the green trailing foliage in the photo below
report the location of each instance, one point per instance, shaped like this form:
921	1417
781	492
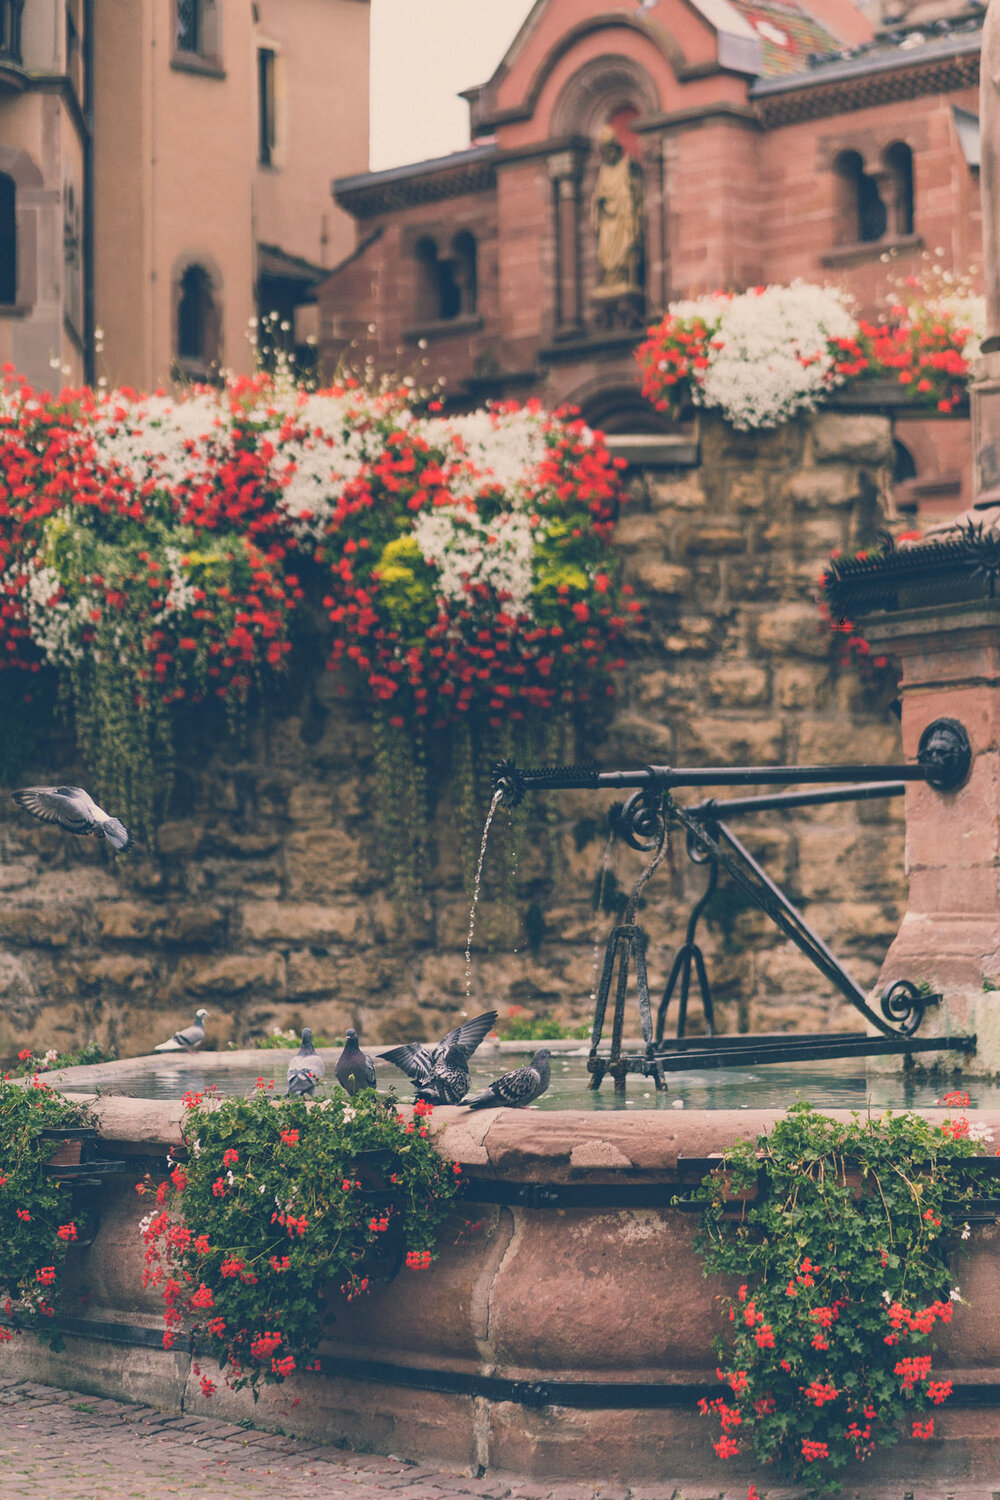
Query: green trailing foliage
284	1209
836	1242
38	1223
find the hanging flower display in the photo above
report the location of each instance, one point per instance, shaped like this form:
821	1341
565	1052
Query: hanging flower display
155	551
763	356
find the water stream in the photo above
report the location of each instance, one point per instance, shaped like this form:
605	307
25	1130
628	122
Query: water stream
497	796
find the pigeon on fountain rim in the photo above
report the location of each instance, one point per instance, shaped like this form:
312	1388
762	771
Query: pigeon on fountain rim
522	1086
188	1040
355	1070
306	1068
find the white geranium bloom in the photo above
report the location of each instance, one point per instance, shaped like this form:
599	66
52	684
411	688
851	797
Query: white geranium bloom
769	357
467	550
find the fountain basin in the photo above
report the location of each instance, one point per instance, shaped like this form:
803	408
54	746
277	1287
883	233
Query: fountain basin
558	1337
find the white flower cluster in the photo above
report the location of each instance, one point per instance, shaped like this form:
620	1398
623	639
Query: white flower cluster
769	358
466	550
967	311
180	590
56	623
157	437
504	447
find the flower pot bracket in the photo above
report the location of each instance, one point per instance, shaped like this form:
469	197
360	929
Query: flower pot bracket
80	1163
944	759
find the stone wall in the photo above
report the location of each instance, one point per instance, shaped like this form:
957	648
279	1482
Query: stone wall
265	903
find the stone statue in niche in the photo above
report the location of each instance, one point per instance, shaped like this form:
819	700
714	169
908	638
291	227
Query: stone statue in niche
616	218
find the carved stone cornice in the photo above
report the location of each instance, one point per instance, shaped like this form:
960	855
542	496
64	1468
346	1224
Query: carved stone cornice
374	193
813	97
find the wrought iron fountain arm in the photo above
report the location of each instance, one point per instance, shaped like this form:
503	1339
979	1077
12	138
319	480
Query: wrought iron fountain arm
944	757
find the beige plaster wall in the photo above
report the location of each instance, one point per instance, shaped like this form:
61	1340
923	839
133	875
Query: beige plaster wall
174	153
322	123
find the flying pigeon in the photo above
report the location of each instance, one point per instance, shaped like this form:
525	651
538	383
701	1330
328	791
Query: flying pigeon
518	1088
73	808
355	1070
188	1040
440	1074
306	1068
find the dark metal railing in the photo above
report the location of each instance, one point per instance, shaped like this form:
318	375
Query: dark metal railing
944	758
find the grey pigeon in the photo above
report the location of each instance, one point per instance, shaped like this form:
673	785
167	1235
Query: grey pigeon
306	1068
522	1086
355	1070
188	1040
440	1073
73	808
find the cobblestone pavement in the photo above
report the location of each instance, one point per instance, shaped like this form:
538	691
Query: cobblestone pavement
62	1445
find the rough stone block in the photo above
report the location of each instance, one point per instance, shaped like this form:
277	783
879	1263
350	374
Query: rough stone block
122	971
813	488
638	529
292	922
715	540
128	921
320	860
823	741
180	838
748	492
741	685
682	493
195	925
232	974
705	740
657	577
802	686
43	927
792	630
857	439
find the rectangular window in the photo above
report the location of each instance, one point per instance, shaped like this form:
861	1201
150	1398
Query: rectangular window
267	104
196	36
10	30
189	26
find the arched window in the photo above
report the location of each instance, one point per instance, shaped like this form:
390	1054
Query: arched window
446	284
861	213
197	320
8	239
898	160
463	253
426	254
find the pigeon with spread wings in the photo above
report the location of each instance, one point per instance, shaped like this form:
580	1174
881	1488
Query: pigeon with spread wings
440	1072
74	809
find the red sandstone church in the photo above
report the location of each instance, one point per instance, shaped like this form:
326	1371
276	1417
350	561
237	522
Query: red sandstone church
627	153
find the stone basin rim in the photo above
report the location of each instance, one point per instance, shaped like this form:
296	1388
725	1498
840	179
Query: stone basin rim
570	1144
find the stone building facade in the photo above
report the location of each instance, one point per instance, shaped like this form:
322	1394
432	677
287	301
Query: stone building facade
767	140
164	176
265	902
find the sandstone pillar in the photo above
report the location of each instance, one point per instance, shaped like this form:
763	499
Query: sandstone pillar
950	935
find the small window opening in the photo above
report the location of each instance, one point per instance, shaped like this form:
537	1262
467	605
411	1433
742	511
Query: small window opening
8	239
267	117
197	335
463	248
899	163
